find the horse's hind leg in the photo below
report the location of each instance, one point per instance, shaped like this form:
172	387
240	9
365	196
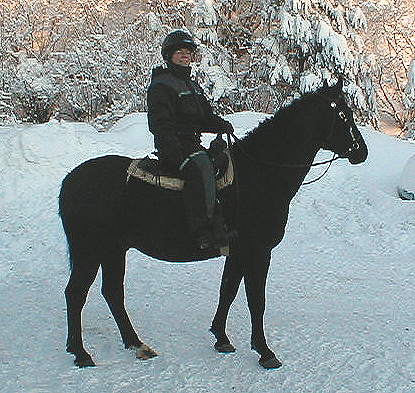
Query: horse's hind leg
82	276
231	279
113	271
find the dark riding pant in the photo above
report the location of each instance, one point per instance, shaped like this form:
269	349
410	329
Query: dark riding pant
199	190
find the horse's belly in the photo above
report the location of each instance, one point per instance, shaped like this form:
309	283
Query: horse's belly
158	227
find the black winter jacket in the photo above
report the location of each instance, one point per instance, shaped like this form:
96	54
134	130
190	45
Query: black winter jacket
178	112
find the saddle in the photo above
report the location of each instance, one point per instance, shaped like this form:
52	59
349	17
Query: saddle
149	170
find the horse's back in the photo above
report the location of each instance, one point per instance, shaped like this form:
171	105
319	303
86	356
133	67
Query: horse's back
93	177
98	167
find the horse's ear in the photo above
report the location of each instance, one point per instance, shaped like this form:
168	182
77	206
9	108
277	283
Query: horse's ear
339	84
325	84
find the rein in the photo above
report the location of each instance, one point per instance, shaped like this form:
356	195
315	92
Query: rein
278	165
355	145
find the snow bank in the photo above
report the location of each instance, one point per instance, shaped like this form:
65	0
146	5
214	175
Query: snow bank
406	186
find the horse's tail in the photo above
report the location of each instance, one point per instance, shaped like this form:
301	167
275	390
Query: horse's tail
66	228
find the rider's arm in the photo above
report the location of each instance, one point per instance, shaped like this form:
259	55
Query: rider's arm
215	123
161	120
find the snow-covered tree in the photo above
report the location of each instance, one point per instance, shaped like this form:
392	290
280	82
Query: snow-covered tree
172	13
391	40
409	101
98	65
228	67
311	41
106	75
254	55
34	91
258	55
214	61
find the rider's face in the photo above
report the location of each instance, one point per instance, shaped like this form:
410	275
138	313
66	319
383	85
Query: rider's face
182	57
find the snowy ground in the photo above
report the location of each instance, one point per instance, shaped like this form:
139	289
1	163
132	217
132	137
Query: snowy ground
340	311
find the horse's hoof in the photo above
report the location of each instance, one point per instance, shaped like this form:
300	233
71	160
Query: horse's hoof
144	352
271	363
225	348
85	362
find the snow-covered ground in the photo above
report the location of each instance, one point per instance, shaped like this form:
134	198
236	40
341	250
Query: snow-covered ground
340	311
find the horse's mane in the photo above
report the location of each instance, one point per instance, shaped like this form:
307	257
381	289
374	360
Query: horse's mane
282	119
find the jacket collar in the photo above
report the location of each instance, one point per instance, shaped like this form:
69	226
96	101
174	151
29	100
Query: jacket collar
179	71
176	70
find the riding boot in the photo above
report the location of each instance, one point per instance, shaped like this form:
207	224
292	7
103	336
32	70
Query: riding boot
203	213
199	197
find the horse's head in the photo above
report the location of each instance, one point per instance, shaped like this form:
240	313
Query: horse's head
342	136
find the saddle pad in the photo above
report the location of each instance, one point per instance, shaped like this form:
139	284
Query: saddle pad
174	183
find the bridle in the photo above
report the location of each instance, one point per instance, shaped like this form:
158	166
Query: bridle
347	119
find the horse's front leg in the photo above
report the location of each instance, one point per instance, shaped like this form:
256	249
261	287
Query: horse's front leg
231	279
255	276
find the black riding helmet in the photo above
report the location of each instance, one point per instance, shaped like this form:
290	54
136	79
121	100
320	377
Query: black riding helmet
176	40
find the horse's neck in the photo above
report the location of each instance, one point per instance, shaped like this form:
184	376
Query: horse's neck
275	145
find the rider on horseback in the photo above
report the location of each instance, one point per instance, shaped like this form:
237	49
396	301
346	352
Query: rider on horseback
178	112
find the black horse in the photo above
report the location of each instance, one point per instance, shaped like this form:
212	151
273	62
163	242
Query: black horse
104	215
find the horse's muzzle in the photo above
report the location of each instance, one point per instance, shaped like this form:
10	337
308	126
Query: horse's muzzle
359	153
